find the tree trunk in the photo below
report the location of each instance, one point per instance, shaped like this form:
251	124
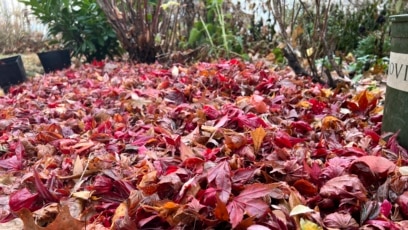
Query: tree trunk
136	25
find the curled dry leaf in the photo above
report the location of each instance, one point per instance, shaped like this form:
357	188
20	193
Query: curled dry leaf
63	220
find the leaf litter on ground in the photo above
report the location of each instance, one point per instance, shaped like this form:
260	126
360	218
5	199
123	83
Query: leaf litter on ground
217	145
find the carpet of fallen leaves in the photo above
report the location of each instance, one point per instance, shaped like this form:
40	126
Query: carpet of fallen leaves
209	146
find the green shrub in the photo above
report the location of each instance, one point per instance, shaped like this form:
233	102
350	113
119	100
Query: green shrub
371	45
81	24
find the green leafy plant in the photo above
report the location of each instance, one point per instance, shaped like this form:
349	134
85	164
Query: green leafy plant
81	26
215	29
371	45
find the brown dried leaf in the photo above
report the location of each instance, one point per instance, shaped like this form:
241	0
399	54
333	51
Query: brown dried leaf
220	211
234	140
64	220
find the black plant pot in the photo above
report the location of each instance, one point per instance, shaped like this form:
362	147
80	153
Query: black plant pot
12	72
55	60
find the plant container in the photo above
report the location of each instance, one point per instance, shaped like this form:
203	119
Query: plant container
12	72
55	60
395	117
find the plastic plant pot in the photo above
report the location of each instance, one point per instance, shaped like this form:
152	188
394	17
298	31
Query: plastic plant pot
55	60
12	72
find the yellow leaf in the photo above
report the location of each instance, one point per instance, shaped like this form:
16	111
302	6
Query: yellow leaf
257	136
309	225
171	205
304	104
327	92
309	52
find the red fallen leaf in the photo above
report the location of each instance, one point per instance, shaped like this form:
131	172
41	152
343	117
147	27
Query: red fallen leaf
242	175
282	139
395	147
350	151
340	221
175	96
195	164
402	202
12	163
98	64
258	102
371	133
81	147
386	207
71	74
317	106
210	112
250	120
163	85
221	175
101	137
42	190
210	154
208	197
305	187
22	199
301	126
255	191
249	201
236	212
346	186
376	118
313	171
378	165
101	185
362	102
335	167
46	136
